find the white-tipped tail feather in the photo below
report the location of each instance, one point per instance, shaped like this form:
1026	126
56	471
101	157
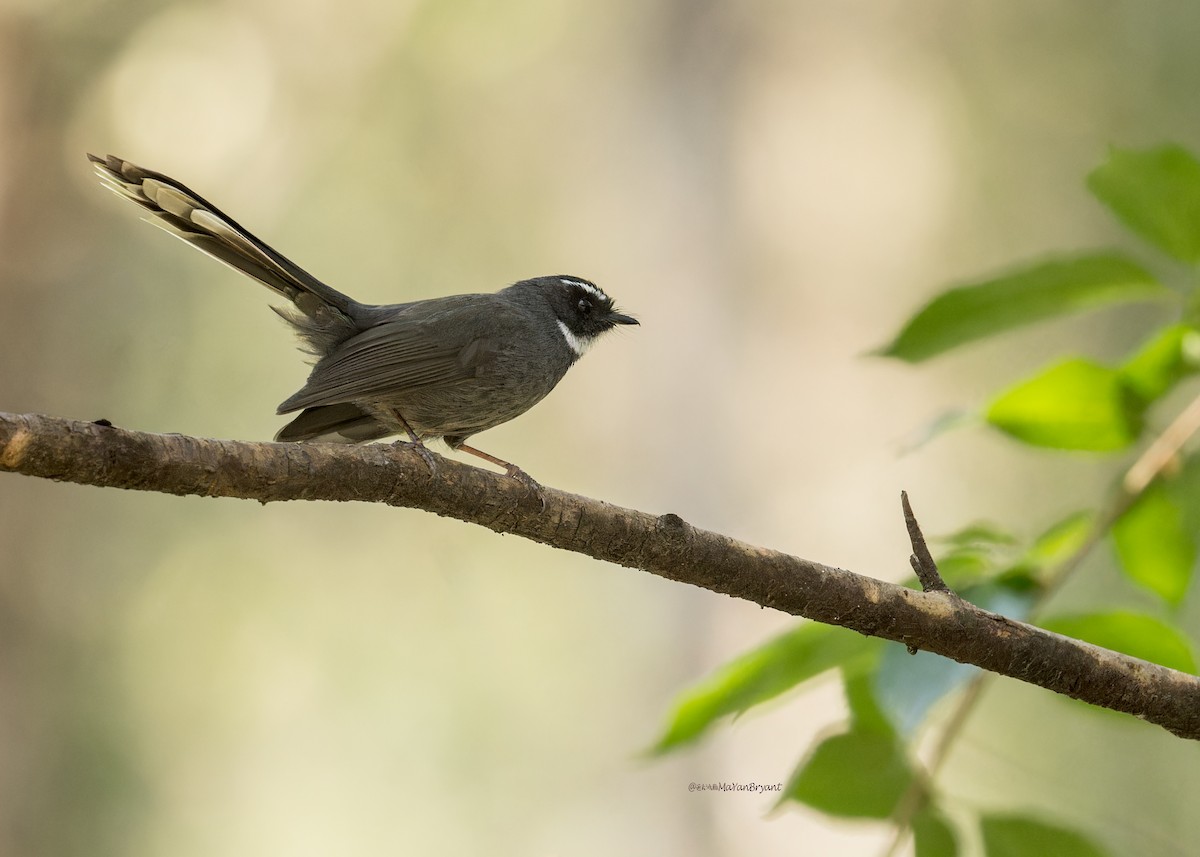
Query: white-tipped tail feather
189	217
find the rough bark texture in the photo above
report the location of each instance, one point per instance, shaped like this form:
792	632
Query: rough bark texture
666	545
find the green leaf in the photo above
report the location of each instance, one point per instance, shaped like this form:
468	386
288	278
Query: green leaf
764	673
1076	404
1156	549
1156	193
978	533
932	835
1184	488
1021	836
1171	355
974	552
1063	539
1133	634
854	775
1058	287
865	713
964	566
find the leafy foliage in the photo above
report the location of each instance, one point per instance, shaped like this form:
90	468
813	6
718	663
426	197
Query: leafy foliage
1156	193
933	836
1044	290
1020	836
1132	633
856	774
1157	551
1077	404
764	673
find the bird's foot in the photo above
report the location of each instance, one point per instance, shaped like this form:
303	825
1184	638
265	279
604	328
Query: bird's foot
510	469
422	450
528	481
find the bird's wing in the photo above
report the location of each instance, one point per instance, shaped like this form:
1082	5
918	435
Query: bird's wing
398	355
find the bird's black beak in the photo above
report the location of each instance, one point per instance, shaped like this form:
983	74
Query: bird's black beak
621	318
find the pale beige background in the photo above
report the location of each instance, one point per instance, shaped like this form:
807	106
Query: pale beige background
769	186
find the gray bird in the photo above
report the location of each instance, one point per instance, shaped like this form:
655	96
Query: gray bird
445	368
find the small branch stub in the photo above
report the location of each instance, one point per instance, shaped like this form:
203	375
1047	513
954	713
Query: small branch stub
921	559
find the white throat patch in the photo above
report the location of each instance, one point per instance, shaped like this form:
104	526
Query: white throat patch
578	344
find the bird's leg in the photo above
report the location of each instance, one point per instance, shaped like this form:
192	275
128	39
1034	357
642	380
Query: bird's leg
414	443
510	470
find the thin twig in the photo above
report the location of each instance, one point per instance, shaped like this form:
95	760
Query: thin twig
1159	454
921	559
915	796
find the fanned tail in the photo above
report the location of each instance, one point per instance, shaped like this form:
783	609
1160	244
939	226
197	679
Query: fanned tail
189	217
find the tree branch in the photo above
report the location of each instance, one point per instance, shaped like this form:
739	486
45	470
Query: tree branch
93	454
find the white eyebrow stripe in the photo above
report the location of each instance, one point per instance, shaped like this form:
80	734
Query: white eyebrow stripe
578	344
587	287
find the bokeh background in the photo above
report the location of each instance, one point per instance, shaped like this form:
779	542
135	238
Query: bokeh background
771	187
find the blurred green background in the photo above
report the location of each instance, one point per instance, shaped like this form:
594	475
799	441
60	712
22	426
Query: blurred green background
770	187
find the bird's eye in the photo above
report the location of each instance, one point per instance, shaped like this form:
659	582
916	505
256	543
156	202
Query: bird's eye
585	306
